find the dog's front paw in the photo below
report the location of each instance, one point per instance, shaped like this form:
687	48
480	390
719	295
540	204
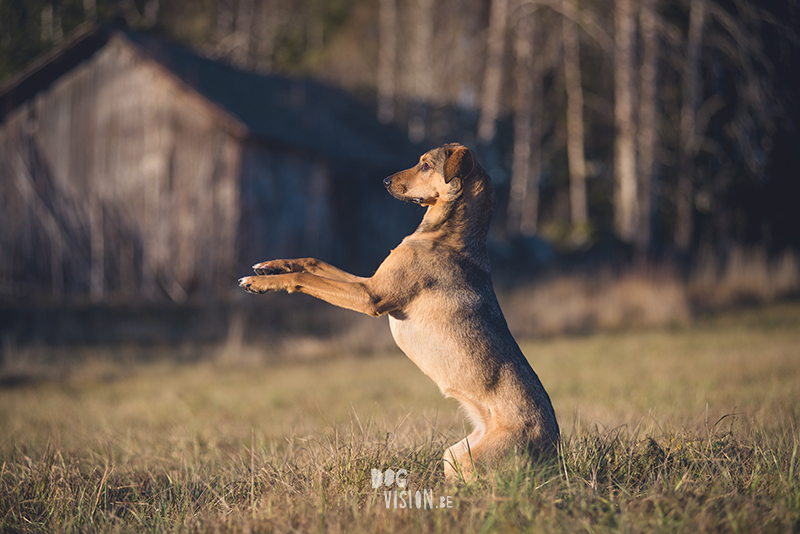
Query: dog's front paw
266	268
247	284
256	284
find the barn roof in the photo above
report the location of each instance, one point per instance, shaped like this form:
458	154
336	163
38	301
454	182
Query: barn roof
294	112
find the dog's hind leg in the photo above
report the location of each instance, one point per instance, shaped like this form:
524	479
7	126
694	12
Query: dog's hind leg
477	452
460	458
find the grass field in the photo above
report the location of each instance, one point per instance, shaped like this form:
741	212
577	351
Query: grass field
689	429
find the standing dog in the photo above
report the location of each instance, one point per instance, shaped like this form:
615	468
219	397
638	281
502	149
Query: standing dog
437	289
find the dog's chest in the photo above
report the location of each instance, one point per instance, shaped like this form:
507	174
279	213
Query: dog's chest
425	345
403	332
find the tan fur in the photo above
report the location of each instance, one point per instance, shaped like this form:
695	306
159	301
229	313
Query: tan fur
436	288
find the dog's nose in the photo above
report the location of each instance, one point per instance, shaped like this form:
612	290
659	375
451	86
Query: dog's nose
387	181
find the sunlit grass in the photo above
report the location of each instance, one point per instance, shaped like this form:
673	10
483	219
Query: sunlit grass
650	440
748	362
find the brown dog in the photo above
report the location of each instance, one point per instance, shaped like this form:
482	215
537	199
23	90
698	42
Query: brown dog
437	289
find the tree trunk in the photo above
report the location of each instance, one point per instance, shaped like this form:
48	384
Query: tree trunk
648	119
269	16
224	22
240	55
90	9
523	197
387	54
689	134
572	81
493	71
530	204
150	15
48	27
421	69
625	191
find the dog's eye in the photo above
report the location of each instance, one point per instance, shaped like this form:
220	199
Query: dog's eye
426	167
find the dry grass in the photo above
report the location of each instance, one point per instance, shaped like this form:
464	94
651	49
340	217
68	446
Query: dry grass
649	440
746	276
582	304
650	296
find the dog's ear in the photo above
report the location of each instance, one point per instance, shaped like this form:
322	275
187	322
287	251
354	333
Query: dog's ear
459	163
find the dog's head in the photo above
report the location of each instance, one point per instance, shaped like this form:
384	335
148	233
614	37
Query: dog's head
438	177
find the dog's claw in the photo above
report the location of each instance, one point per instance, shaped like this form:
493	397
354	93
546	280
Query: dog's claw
257	285
247	285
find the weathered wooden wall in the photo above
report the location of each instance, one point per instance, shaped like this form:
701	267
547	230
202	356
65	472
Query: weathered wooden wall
118	183
286	209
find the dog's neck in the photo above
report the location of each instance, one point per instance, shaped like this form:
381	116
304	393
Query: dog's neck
462	223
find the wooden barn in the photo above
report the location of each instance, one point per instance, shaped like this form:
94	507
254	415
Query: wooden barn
134	169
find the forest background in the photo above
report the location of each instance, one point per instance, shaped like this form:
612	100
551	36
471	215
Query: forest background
645	155
669	125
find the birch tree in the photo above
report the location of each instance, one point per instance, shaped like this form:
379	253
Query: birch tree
523	203
625	191
688	128
90	9
575	150
421	71
267	20
387	54
51	24
648	118
493	71
223	27
240	54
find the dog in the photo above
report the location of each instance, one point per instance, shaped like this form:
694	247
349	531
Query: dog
436	288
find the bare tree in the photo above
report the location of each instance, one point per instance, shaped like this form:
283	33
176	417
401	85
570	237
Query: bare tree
264	30
692	94
240	53
150	13
51	24
572	81
223	30
523	203
530	205
493	71
387	56
135	19
648	118
757	104
625	191
90	9
421	70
